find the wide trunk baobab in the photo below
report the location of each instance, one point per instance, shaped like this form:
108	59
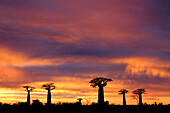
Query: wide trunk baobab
100	82
48	87
29	89
139	92
123	92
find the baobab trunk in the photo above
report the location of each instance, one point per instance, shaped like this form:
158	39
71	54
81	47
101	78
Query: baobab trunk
49	98
124	99
101	95
140	100
28	98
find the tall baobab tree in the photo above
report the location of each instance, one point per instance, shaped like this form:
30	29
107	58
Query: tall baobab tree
123	91
48	87
29	89
100	82
139	92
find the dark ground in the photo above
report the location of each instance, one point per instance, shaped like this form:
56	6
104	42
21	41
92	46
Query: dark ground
71	108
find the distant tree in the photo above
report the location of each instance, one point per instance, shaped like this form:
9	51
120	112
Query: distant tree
93	103
79	99
160	103
136	97
155	103
59	103
100	82
145	104
28	89
112	104
139	92
36	102
107	103
87	101
123	91
48	87
22	104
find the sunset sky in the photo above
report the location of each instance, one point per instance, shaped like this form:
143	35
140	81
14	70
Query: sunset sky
70	42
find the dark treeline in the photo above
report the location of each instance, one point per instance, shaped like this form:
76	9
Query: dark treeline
77	108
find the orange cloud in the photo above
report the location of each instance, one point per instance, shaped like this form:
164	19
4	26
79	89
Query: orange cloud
10	74
8	57
148	65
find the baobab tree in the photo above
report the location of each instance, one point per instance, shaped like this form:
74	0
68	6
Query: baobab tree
139	92
79	99
48	87
123	91
100	82
29	89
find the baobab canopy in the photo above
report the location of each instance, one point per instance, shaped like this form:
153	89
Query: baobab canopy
48	86
123	91
99	81
29	88
139	91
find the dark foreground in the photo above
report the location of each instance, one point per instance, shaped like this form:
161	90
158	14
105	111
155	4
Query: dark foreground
84	109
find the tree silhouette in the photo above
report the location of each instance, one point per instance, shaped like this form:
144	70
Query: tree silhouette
29	89
79	99
136	97
36	103
139	92
100	82
48	87
123	91
87	101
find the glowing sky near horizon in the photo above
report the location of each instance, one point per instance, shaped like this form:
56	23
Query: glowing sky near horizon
70	42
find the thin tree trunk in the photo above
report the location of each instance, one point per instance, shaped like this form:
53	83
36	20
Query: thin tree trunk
49	98
28	98
124	99
140	99
101	95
